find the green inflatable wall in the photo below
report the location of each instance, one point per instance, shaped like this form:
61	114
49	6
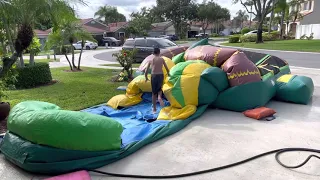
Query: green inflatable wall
46	124
298	89
178	58
247	96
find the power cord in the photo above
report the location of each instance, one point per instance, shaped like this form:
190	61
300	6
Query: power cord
277	153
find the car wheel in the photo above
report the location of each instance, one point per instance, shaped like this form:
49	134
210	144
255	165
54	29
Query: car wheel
87	48
113	44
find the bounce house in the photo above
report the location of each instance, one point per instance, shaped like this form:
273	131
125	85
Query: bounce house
43	138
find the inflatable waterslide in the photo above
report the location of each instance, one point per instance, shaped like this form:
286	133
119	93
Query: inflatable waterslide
43	138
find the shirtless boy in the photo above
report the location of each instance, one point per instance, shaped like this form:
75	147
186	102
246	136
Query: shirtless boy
157	77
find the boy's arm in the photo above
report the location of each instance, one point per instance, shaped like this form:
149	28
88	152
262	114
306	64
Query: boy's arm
146	72
165	65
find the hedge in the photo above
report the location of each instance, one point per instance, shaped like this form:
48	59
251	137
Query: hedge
245	30
273	36
234	39
32	76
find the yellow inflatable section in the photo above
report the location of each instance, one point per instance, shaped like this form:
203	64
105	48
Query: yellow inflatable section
182	90
136	88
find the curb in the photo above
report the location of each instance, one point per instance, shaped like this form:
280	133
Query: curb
237	47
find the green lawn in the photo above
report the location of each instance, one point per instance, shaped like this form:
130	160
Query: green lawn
285	45
181	42
74	90
44	53
118	65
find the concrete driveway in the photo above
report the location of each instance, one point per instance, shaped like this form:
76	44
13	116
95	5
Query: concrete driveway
222	137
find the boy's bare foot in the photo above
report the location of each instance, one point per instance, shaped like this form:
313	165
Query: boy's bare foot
161	102
154	111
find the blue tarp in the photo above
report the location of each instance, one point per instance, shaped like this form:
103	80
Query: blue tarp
137	121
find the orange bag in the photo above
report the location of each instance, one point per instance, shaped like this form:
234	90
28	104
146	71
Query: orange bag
259	113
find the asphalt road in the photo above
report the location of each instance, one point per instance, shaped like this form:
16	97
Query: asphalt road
307	60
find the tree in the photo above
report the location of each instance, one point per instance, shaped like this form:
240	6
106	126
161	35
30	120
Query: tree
68	33
223	15
34	49
139	24
242	16
262	9
208	13
19	17
250	4
296	9
283	9
110	14
141	21
179	12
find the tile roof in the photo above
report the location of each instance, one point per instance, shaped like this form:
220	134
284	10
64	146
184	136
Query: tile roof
84	21
93	30
113	27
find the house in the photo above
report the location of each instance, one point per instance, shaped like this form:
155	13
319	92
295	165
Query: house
310	21
42	35
162	28
167	28
116	30
97	29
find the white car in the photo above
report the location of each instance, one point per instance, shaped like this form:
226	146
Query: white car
88	45
252	32
201	35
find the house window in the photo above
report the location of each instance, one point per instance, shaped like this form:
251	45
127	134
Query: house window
307	6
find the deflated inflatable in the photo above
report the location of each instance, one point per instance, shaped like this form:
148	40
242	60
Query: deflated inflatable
46	124
42	138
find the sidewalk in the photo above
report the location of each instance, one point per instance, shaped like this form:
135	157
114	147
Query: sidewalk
88	60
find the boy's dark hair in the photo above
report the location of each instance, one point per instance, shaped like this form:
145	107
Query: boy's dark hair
156	51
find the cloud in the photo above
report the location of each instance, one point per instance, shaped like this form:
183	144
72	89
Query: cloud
126	7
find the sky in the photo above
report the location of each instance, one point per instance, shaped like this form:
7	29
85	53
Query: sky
126	7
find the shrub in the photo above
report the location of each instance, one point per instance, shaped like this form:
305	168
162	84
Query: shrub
310	37
303	36
245	30
125	59
234	39
249	38
32	76
35	46
214	35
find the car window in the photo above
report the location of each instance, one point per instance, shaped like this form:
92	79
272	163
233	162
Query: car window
152	43
166	43
140	42
129	43
112	38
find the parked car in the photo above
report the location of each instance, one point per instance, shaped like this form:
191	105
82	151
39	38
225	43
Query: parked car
165	37
111	41
173	37
88	45
252	32
201	35
145	46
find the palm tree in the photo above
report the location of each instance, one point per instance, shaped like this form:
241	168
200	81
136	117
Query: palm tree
282	9
21	15
110	14
64	37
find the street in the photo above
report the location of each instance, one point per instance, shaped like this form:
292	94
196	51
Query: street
298	59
